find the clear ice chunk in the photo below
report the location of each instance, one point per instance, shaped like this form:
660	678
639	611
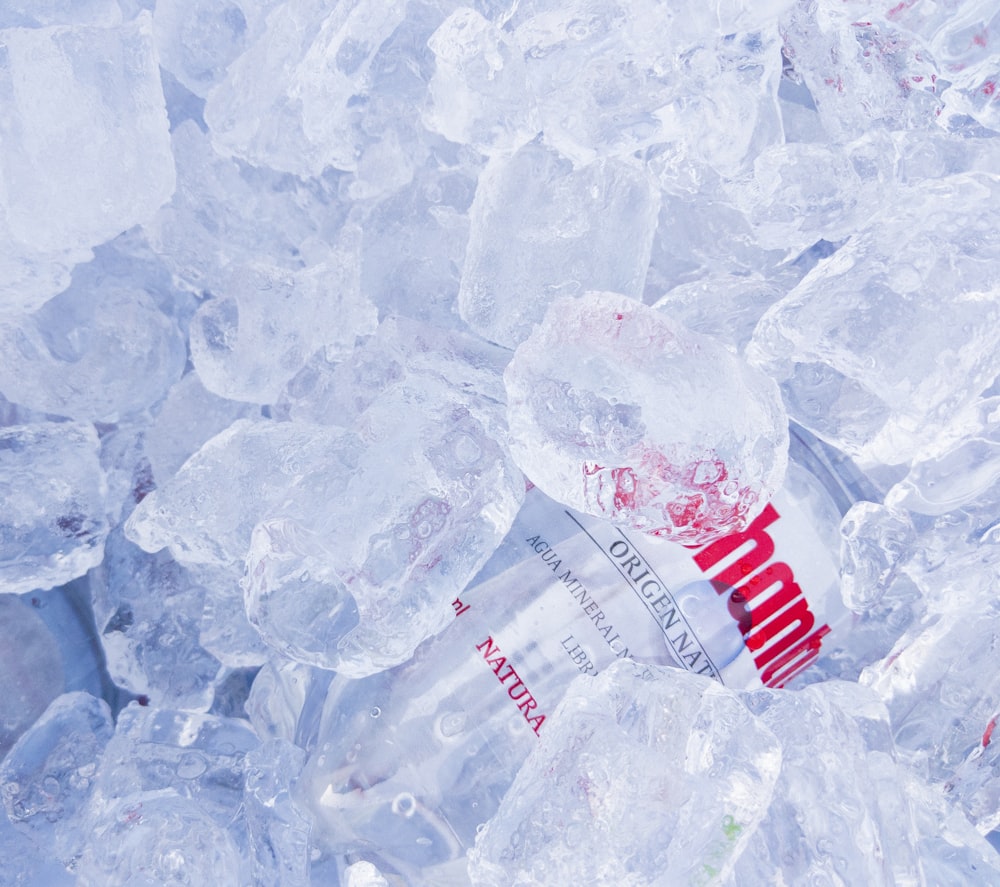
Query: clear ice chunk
98	351
53	524
66	90
166	799
477	93
279	829
206	513
185	419
862	70
225	212
619	412
865	359
542	229
147	838
745	787
47	776
148	610
662	776
414	242
264	323
331	592
291	100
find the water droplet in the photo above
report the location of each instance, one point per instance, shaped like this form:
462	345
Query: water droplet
404	804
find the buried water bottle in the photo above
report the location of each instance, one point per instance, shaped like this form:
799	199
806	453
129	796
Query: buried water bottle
411	761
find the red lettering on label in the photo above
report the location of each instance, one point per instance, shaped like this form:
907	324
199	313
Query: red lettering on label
765	600
518	690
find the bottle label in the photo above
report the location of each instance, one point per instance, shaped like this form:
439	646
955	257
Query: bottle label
568	593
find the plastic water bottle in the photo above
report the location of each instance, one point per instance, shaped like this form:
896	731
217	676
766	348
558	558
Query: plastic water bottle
411	761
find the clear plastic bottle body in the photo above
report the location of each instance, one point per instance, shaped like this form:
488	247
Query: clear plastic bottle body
409	762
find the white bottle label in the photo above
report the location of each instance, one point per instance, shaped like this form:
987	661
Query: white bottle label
567	593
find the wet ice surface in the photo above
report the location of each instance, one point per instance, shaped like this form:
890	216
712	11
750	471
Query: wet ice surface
605	400
274	279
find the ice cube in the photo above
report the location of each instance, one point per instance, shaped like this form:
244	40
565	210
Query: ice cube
264	323
67	90
542	229
426	491
53	522
148	609
618	411
98	351
48	775
643	777
278	827
477	94
311	70
865	359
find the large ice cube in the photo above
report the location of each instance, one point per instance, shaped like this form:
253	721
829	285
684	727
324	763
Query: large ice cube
148	610
542	229
98	351
426	491
264	323
53	523
617	411
47	777
71	174
881	345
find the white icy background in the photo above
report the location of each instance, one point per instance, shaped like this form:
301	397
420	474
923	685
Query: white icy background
261	268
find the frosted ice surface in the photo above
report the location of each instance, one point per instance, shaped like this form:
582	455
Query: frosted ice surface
264	323
620	412
642	778
196	41
542	229
148	609
207	511
226	212
53	524
186	418
289	101
477	93
47	776
331	591
880	345
66	90
98	351
667	778
414	242
167	797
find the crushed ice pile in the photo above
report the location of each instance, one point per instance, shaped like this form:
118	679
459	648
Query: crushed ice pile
301	300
